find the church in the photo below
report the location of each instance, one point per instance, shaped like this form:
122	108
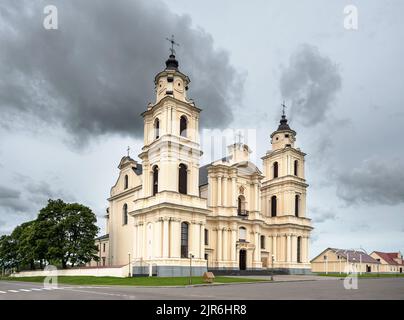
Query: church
167	211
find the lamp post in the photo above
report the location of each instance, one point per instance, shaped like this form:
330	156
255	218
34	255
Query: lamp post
129	264
190	267
272	268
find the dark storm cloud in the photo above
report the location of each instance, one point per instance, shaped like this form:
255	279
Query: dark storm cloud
31	196
376	181
10	200
310	83
95	74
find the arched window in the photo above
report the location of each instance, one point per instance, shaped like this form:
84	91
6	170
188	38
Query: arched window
273	206
184	239
276	169
242	234
182	179
296	167
126	181
299	244
155	180
183	126
125	214
297	204
241	205
262	242
156	128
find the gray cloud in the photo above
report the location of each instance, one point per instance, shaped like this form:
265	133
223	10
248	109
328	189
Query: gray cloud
8	193
359	226
310	83
94	75
376	181
320	215
31	197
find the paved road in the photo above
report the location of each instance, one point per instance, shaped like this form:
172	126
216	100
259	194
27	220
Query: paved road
367	289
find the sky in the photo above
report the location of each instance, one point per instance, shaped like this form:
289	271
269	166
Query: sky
71	99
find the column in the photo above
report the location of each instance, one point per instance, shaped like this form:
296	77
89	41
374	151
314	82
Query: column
305	249
195	239
225	202
135	249
219	191
166	239
225	244
288	248
234	192
202	238
233	244
157	238
257	246
294	249
219	244
144	240
256	196
139	240
274	251
175	238
210	191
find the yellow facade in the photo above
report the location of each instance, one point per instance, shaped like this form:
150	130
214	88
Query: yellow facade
223	210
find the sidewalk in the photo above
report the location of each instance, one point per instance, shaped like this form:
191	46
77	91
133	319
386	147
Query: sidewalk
291	277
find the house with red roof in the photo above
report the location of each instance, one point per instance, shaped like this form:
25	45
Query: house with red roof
389	261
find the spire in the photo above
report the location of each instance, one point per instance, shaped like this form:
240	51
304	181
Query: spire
172	63
283	124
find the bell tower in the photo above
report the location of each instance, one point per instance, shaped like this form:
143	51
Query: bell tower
171	135
284	174
169	215
283	199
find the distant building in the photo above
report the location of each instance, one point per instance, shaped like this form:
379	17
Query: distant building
102	244
389	261
333	260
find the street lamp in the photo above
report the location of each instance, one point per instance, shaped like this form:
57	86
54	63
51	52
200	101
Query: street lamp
129	264
190	267
272	269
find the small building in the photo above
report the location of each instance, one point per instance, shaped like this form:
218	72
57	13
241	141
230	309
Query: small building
390	262
333	260
102	244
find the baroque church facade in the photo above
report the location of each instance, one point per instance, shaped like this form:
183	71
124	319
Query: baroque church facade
227	216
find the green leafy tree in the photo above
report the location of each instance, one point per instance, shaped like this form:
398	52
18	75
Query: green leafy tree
8	252
23	237
70	230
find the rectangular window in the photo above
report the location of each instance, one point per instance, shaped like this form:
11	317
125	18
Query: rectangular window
206	237
262	242
103	247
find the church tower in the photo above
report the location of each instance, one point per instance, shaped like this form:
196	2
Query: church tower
170	216
283	196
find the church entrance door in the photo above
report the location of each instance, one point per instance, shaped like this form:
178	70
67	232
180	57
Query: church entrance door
243	260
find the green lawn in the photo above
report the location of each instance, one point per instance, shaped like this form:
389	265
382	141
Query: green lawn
135	281
365	275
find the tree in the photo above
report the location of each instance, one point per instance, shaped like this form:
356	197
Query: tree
70	230
8	256
23	238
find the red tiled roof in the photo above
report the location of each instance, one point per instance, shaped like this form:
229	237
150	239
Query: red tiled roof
389	257
354	256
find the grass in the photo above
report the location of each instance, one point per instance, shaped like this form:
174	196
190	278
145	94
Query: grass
135	281
365	275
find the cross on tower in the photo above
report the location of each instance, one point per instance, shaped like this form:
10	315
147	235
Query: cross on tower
172	41
128	150
283	107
